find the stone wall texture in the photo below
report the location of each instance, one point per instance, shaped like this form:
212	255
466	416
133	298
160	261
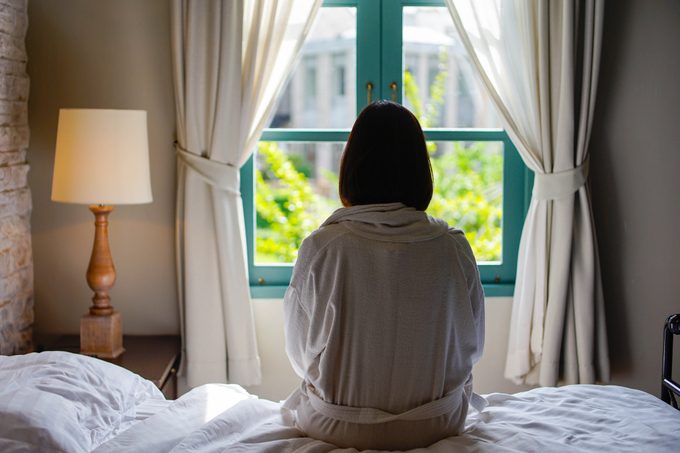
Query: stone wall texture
16	260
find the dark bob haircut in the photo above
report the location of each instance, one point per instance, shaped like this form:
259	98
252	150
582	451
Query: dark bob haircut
385	159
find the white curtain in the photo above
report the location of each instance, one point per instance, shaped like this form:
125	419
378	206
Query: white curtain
538	60
231	58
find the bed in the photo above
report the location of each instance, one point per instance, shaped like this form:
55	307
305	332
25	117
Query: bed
59	401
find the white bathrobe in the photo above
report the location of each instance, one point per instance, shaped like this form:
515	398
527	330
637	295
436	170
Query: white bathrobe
384	320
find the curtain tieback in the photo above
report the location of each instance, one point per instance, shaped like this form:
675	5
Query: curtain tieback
223	176
554	186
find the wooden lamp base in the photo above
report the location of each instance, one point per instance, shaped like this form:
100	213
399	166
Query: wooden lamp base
101	330
101	336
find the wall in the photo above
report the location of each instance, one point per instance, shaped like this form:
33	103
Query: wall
16	263
116	54
635	166
103	54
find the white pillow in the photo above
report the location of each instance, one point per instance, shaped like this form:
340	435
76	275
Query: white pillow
64	401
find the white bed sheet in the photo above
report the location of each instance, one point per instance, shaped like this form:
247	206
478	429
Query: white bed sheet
59	401
577	418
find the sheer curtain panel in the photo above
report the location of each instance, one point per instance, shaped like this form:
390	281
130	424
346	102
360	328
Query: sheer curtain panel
538	60
230	58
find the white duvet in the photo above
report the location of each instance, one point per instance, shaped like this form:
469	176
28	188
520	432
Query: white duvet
56	401
576	418
59	401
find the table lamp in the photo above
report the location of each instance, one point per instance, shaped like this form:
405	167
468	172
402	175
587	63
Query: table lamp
101	159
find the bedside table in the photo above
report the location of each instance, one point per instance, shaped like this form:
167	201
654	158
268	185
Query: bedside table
154	357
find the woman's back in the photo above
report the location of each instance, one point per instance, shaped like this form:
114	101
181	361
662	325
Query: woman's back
397	307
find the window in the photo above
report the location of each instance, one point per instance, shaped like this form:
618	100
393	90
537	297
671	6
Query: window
409	52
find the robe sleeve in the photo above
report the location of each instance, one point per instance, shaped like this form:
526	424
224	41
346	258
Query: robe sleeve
476	293
296	330
476	296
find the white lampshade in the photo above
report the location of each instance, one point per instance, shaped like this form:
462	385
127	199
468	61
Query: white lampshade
102	157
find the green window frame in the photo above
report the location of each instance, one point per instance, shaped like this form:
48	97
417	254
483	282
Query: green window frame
382	65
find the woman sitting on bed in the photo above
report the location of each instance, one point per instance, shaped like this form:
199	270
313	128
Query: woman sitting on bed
384	313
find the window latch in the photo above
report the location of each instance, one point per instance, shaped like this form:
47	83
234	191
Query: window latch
369	92
393	87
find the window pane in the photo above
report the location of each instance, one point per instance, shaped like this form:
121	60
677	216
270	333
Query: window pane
468	192
321	92
295	191
439	85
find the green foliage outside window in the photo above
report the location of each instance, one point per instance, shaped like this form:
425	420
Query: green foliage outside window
287	208
467	192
